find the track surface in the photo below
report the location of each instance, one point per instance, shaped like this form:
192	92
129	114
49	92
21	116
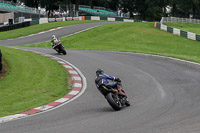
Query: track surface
165	97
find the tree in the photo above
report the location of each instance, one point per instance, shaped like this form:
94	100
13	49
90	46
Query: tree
196	8
113	4
146	9
150	9
31	3
128	6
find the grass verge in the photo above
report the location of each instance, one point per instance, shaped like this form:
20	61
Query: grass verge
38	28
32	81
190	27
132	37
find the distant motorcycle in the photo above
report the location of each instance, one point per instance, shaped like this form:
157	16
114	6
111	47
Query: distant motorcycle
59	47
114	97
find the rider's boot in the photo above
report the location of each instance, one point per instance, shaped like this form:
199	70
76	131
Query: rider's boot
127	102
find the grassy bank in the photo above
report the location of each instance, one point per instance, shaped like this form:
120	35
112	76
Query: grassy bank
194	28
132	37
29	82
37	28
5	70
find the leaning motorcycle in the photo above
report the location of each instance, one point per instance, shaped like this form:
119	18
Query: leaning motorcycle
59	47
114	96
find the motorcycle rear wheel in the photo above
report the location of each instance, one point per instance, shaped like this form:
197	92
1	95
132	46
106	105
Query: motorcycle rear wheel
114	103
63	51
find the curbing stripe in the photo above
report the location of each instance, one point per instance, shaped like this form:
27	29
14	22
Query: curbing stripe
76	78
61	62
67	66
73	72
62	100
77	85
75	75
77	81
69	69
11	117
73	92
54	103
44	107
77	90
68	96
32	111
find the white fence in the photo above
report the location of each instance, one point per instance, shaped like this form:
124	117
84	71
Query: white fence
176	19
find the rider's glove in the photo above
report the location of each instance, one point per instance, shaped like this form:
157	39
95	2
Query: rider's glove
118	80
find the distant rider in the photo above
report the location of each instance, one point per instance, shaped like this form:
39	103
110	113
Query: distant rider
103	79
54	41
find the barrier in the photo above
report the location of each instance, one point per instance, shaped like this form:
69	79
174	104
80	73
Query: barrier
59	19
52	20
35	21
170	29
43	20
176	31
119	19
29	19
163	27
111	19
95	18
128	20
75	18
87	17
14	26
191	36
69	18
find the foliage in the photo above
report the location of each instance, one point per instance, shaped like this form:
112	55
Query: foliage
29	82
146	9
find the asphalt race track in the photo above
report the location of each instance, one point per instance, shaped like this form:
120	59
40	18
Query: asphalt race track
164	93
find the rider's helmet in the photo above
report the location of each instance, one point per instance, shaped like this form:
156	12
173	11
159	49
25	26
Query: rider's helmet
53	37
99	71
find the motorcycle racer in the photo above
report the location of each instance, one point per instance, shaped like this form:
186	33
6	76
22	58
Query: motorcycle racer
103	79
54	40
56	45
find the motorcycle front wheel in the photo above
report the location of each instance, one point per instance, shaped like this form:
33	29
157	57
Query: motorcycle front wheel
113	101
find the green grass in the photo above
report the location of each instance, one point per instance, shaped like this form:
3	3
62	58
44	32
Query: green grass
32	81
132	37
190	27
38	28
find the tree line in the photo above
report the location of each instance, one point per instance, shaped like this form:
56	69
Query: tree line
142	9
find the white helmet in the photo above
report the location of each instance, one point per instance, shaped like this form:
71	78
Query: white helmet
53	37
